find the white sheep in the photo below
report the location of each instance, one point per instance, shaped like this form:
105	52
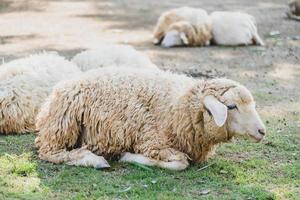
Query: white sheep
234	28
24	85
151	117
112	55
183	26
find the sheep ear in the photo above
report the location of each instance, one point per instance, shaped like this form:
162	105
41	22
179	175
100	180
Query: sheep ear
217	109
184	38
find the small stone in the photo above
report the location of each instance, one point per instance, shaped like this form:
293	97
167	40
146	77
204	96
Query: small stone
274	33
126	190
296	37
200	182
204	192
223	172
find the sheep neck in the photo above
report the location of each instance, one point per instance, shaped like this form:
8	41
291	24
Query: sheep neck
193	130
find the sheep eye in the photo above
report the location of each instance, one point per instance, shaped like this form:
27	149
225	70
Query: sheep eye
231	107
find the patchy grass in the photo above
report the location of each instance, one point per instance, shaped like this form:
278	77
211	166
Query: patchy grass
240	170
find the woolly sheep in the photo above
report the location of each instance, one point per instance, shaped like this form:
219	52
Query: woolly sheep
24	85
112	55
151	117
183	26
234	28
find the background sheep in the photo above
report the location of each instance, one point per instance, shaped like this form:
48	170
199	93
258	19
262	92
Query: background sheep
294	10
234	28
112	55
24	84
163	119
183	26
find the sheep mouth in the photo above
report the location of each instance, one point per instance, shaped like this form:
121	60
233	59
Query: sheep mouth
255	137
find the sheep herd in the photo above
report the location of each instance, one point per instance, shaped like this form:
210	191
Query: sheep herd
113	102
187	26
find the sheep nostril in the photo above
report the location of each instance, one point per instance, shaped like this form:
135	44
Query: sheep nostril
262	131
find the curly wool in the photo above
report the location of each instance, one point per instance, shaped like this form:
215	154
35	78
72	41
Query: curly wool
194	22
24	85
196	35
110	111
112	55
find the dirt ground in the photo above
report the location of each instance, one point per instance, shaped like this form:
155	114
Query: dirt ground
69	26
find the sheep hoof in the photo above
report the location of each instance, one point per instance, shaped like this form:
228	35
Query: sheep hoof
102	166
155	41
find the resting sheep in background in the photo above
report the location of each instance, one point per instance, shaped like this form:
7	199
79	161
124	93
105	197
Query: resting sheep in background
24	85
150	117
294	10
183	26
112	55
234	28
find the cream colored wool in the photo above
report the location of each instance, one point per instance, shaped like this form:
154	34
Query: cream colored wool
112	55
24	85
234	28
157	115
192	24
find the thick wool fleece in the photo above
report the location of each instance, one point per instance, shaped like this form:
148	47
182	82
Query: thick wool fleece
234	28
113	110
112	55
24	85
194	22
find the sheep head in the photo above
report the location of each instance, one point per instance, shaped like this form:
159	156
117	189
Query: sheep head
174	38
295	7
232	105
183	33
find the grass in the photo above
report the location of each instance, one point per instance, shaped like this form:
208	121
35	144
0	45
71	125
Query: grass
240	170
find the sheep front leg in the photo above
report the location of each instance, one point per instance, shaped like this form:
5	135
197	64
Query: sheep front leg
77	157
174	164
172	159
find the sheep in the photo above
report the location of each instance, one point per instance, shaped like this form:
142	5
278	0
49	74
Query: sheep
152	117
24	85
294	10
112	55
183	26
234	28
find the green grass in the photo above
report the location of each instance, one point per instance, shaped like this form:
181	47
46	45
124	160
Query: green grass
240	170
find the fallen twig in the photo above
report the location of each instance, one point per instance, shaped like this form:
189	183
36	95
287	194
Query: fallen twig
202	168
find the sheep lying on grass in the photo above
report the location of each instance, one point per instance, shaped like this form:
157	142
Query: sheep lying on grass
112	55
234	28
24	85
183	26
151	117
